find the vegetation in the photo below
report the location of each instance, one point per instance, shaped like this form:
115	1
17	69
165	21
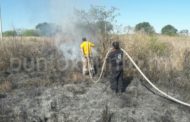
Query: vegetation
144	27
163	59
30	33
169	30
9	33
34	56
42	29
99	22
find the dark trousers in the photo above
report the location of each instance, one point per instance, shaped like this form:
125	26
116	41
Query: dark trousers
116	80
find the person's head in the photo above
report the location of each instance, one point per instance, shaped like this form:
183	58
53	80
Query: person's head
115	45
84	39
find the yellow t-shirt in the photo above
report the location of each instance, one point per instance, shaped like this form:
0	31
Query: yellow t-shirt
86	46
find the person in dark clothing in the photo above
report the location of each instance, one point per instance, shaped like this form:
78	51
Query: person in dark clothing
115	61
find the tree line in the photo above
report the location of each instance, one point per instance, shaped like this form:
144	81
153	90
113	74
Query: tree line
41	29
50	29
169	30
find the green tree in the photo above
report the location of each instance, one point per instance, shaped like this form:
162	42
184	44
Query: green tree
10	33
30	33
145	27
169	30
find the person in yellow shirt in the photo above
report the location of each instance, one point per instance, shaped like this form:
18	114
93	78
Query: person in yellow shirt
86	49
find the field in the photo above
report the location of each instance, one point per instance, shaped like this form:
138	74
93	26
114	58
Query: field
165	60
27	63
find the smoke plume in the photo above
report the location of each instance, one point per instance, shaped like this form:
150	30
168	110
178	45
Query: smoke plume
68	41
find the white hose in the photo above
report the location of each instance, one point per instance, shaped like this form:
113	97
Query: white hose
144	76
102	70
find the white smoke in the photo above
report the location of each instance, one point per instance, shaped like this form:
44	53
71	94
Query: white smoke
62	12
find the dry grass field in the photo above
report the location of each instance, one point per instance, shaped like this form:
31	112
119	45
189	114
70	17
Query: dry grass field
34	86
165	60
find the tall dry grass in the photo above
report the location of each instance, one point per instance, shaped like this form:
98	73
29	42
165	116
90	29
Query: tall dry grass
20	47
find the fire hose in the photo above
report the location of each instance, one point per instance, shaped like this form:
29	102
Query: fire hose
102	70
140	71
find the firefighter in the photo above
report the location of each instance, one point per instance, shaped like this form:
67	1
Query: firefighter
115	63
86	50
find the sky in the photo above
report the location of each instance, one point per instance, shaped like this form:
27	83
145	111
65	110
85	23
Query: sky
22	14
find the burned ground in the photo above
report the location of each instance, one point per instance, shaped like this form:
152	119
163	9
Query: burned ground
88	102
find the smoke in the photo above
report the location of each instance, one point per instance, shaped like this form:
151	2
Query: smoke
68	41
